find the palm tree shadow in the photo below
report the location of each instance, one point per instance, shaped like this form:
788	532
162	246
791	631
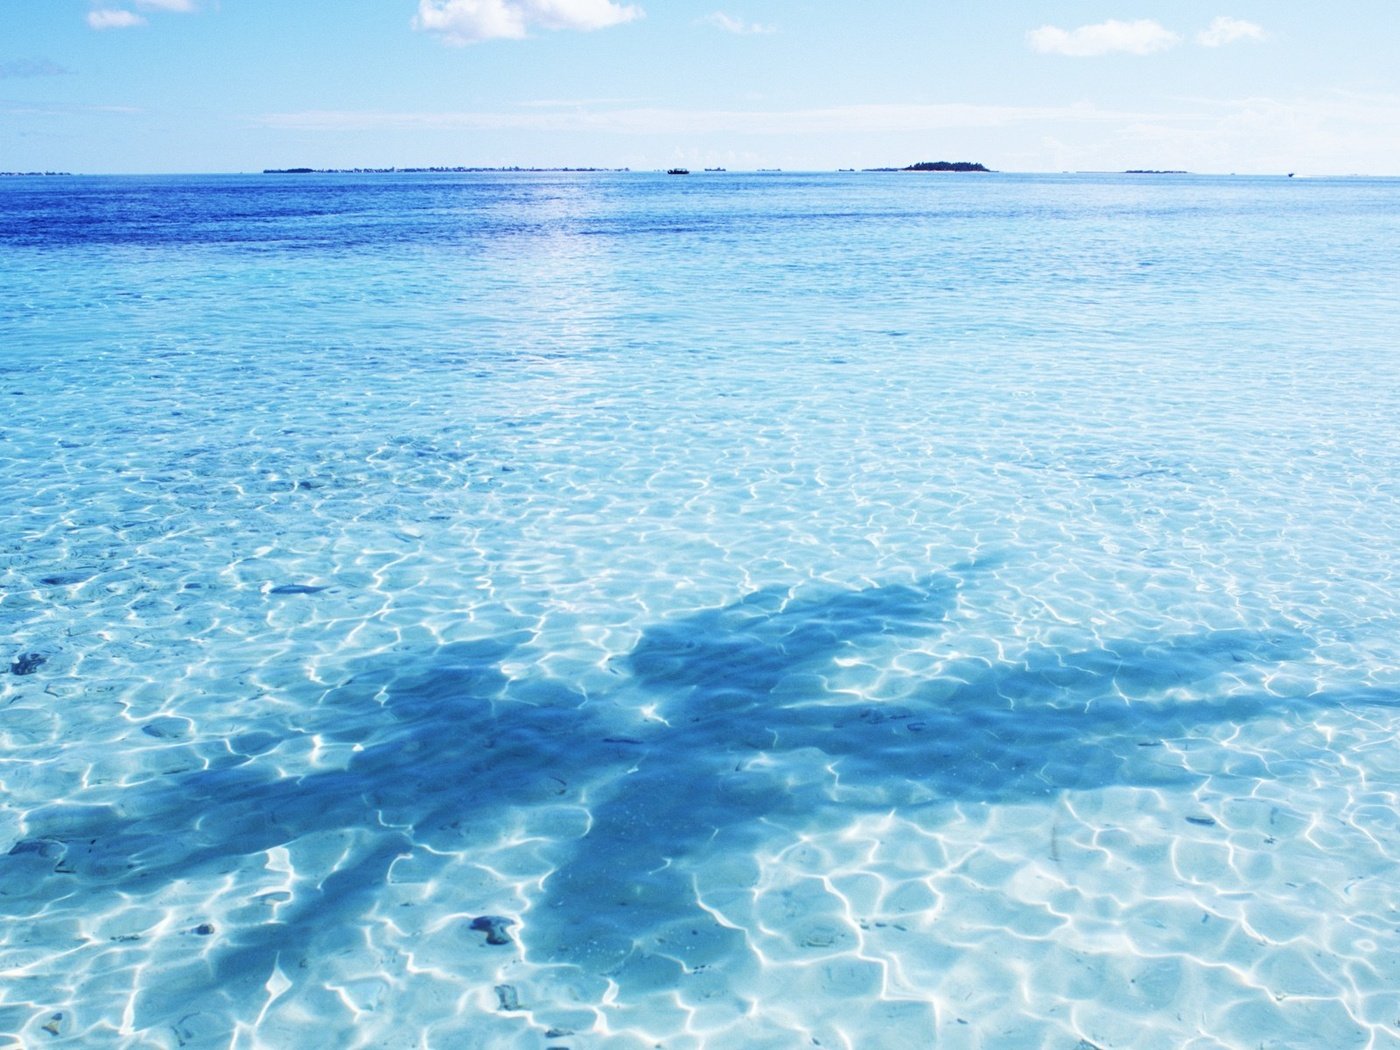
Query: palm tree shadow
751	725
758	731
715	679
451	743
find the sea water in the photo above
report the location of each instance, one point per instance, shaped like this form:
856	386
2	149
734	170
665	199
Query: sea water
602	610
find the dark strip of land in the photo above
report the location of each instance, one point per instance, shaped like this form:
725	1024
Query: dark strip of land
413	171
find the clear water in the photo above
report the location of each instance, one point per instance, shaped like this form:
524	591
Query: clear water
620	611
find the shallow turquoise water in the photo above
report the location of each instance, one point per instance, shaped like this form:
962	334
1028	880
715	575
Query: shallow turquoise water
860	610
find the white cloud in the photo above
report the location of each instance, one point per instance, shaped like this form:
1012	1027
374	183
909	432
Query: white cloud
108	18
119	18
737	26
1142	37
1226	30
471	21
578	14
468	21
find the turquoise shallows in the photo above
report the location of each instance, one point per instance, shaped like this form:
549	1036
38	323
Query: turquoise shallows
743	611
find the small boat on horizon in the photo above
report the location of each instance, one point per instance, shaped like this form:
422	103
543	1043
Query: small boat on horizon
677	171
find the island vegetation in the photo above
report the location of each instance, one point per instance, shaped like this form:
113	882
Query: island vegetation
946	165
939	165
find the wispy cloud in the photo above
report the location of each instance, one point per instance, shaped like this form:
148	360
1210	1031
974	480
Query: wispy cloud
1142	37
1226	30
737	26
124	18
109	18
52	109
463	22
574	103
1338	132
1245	134
660	120
31	67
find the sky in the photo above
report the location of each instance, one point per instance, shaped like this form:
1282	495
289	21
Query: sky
1243	86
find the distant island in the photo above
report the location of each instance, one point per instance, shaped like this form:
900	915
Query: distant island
1153	171
30	174
938	165
927	165
458	170
945	165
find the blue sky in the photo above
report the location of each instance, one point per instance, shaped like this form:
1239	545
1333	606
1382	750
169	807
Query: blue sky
1022	85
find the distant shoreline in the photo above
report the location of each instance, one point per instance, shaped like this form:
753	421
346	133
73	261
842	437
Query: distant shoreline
523	169
456	170
923	165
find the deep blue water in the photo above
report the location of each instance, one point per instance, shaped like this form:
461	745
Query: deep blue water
619	610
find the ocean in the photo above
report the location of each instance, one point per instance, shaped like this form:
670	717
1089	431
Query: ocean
611	610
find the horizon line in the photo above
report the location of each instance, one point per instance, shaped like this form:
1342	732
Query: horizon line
463	169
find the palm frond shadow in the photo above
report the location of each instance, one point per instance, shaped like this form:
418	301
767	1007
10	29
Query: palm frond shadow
751	727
